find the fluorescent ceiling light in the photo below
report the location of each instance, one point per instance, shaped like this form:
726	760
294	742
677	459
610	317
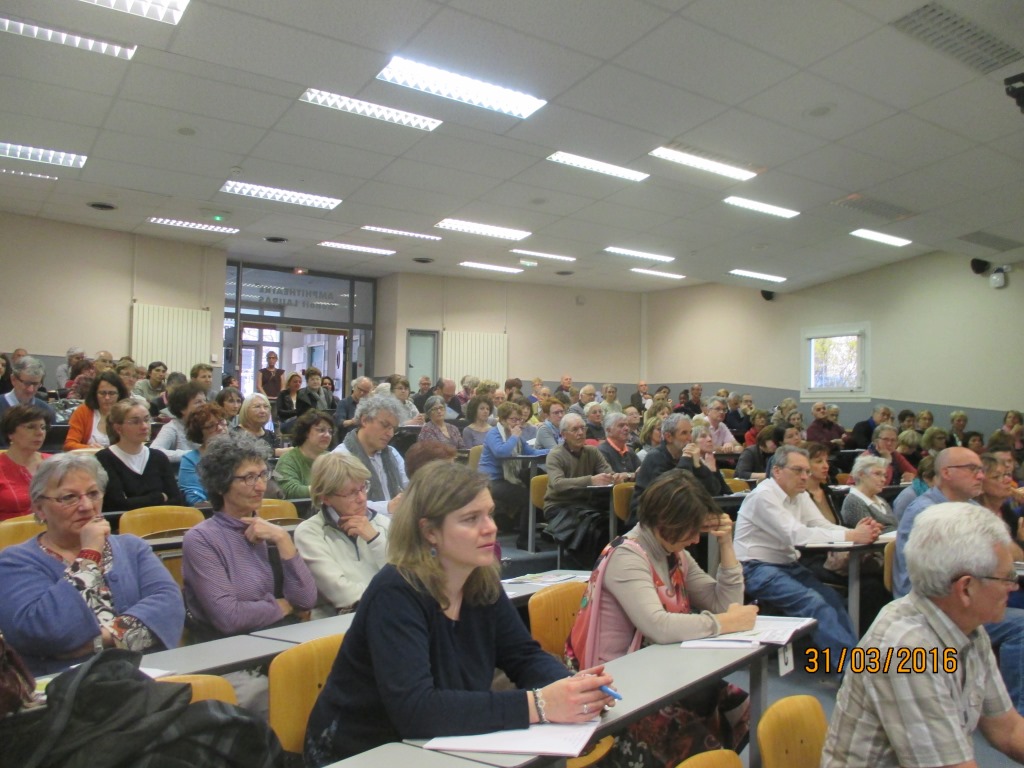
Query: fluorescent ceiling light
703	164
387	231
753	205
43	176
168	11
491	267
195	225
482	229
881	237
757	275
37	155
28	29
596	165
280	195
639	254
541	255
367	109
360	248
656	273
423	77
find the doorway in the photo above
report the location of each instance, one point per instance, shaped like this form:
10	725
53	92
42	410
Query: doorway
421	356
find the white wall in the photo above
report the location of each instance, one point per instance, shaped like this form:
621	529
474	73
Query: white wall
67	284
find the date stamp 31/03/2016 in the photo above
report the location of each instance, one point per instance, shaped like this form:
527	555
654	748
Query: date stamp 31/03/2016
885	660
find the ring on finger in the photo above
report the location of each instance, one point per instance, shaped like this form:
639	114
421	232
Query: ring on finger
586	709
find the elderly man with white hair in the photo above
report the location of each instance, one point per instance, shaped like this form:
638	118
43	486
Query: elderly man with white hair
926	676
588	393
74	354
376	418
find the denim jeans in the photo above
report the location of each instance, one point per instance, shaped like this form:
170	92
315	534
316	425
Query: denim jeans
1008	641
797	592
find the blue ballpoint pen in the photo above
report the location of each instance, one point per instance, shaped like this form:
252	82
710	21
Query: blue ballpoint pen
609	692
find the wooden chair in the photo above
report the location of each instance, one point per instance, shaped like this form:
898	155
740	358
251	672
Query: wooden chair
791	733
622	494
296	677
889	562
843	478
18	529
736	485
149	521
716	758
728	473
205	687
474	456
279	510
552	611
538	490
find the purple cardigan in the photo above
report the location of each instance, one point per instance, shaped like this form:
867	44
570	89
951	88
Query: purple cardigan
229	583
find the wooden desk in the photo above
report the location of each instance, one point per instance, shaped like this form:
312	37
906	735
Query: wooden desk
216	656
305	631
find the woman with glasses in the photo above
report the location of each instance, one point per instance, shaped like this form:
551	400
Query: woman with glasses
508	479
229	582
549	433
314	431
400	390
869	475
345	543
75	589
204	423
138	476
87	427
25	427
437	428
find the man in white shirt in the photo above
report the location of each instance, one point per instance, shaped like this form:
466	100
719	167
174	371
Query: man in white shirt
777	517
720	434
377	417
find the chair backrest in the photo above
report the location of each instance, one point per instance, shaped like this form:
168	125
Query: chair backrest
890	557
728	472
146	520
474	456
843	478
736	485
205	687
791	733
621	496
296	677
275	508
18	529
716	758
538	489
552	613
172	560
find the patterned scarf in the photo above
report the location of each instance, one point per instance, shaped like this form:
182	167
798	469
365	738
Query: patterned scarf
390	468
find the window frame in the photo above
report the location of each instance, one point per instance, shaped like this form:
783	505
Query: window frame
862	393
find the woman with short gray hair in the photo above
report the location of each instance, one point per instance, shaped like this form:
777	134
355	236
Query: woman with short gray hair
436	427
864	499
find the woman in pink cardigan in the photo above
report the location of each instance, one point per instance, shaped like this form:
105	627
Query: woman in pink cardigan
647	589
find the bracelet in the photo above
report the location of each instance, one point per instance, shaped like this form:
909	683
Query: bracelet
538	701
91	554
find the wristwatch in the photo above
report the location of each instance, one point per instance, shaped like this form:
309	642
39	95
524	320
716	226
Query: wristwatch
97	644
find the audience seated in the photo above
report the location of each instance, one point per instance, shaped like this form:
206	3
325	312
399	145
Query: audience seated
925	419
609	399
737	420
26	379
172	438
1013	426
508	480
478	411
822	429
924	480
158	406
87	427
722	438
692	406
883	444
76	589
869	476
206	422
437	428
82	374
345	543
675	436
253	418
615	448
287	405
152	386
314	431
202	374
863	431
650	438
758	421
640	399
400	391
933	441
699	458
345	414
377	417
421	454
74	355
313	396
957	425
753	462
587	395
230	400
24	427
908	445
594	415
137	475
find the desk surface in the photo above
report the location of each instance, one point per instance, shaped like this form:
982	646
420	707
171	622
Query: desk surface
520	594
216	656
390	755
309	630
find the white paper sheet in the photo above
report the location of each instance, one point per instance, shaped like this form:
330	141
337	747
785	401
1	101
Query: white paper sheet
774	630
551	739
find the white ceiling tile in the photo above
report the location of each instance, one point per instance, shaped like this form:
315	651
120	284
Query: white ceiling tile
515	195
469	156
162	124
605	212
60	65
981	169
919	191
172	156
843	168
692	57
403	198
436	178
307	153
51	102
960	109
558	128
740	134
664	198
907	140
337	127
297	178
133	177
46	134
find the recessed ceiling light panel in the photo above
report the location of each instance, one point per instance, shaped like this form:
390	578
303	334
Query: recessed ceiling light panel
881	237
491	267
488	230
656	273
368	109
576	161
37	155
360	248
757	275
754	205
423	77
194	225
639	254
47	35
167	11
703	163
279	195
542	255
400	232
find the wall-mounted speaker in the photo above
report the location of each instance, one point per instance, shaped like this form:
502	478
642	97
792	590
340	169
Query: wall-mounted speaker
980	266
767	295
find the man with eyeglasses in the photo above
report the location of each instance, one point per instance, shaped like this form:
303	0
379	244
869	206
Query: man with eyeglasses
377	418
720	434
26	385
345	413
777	517
925	713
863	431
959	475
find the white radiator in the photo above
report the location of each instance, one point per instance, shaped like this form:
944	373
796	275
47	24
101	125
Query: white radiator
178	337
480	354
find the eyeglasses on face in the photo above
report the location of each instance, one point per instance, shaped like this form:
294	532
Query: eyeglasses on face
71	500
253	477
974	469
362	490
802	471
28	384
138	421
